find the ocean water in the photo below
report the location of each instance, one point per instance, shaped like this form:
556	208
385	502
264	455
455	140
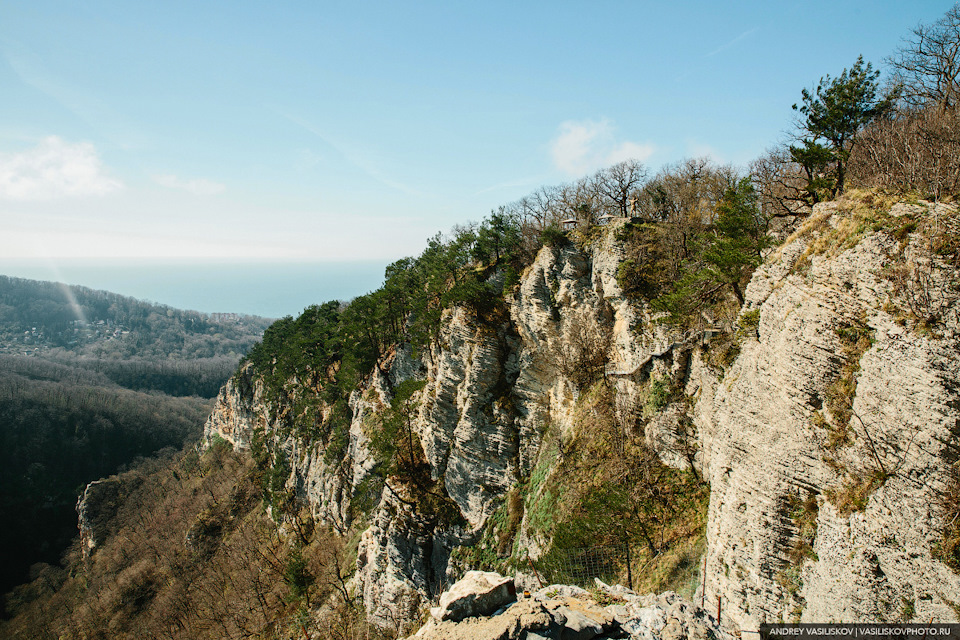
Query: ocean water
268	289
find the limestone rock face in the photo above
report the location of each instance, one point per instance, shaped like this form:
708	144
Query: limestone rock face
776	440
823	495
481	415
466	422
400	562
239	410
551	614
95	508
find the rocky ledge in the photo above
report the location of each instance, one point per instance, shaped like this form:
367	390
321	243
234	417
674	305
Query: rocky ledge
487	606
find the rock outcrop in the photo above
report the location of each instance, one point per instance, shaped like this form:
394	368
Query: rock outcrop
565	612
481	415
827	442
867	483
240	410
477	593
95	508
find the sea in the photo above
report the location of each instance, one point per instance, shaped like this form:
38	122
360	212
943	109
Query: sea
267	289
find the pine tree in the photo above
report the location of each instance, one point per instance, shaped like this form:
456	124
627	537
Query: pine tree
837	110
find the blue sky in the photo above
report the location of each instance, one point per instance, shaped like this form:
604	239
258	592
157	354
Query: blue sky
335	130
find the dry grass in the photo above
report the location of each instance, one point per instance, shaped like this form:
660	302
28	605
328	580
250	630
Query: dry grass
948	548
803	512
854	494
679	567
613	490
231	577
834	230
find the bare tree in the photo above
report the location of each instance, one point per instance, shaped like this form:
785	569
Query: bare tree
780	184
918	150
616	185
540	207
583	356
579	200
927	64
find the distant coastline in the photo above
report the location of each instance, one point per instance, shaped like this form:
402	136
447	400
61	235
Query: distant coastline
268	289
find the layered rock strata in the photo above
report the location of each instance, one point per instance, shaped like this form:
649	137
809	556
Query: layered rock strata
827	442
784	463
571	613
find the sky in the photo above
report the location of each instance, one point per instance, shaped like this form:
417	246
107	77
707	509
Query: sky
332	131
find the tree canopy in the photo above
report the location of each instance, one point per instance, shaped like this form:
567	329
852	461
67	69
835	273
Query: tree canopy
835	112
927	64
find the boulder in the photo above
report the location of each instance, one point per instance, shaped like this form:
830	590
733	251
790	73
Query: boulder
581	620
478	593
547	615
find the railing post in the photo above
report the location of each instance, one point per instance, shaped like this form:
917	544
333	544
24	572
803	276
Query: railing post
703	580
537	575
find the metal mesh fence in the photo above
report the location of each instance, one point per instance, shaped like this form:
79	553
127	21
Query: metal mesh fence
580	566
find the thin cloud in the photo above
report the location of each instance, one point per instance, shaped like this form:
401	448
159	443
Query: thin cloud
729	44
197	186
55	169
697	149
85	104
351	157
512	184
586	145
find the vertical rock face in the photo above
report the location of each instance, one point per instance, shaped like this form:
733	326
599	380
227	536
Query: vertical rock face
826	443
466	422
490	388
239	411
95	509
775	444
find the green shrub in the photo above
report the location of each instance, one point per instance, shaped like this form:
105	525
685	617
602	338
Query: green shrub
749	321
553	236
947	549
297	576
659	394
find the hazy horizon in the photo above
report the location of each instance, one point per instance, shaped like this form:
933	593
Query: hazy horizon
271	289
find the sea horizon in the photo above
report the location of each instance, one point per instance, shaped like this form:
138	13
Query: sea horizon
271	289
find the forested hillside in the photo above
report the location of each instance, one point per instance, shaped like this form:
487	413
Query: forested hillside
89	382
61	427
138	345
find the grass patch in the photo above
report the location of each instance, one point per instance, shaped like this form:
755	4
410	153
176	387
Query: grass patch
609	490
857	214
722	350
803	513
855	338
854	494
678	568
947	549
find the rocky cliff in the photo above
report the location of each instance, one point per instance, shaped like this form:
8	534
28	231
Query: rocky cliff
832	435
827	441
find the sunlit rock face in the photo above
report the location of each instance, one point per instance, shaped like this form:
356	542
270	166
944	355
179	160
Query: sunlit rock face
772	444
95	508
239	411
490	388
762	430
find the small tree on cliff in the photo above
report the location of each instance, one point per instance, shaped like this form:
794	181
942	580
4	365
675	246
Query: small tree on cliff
741	239
726	259
835	112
